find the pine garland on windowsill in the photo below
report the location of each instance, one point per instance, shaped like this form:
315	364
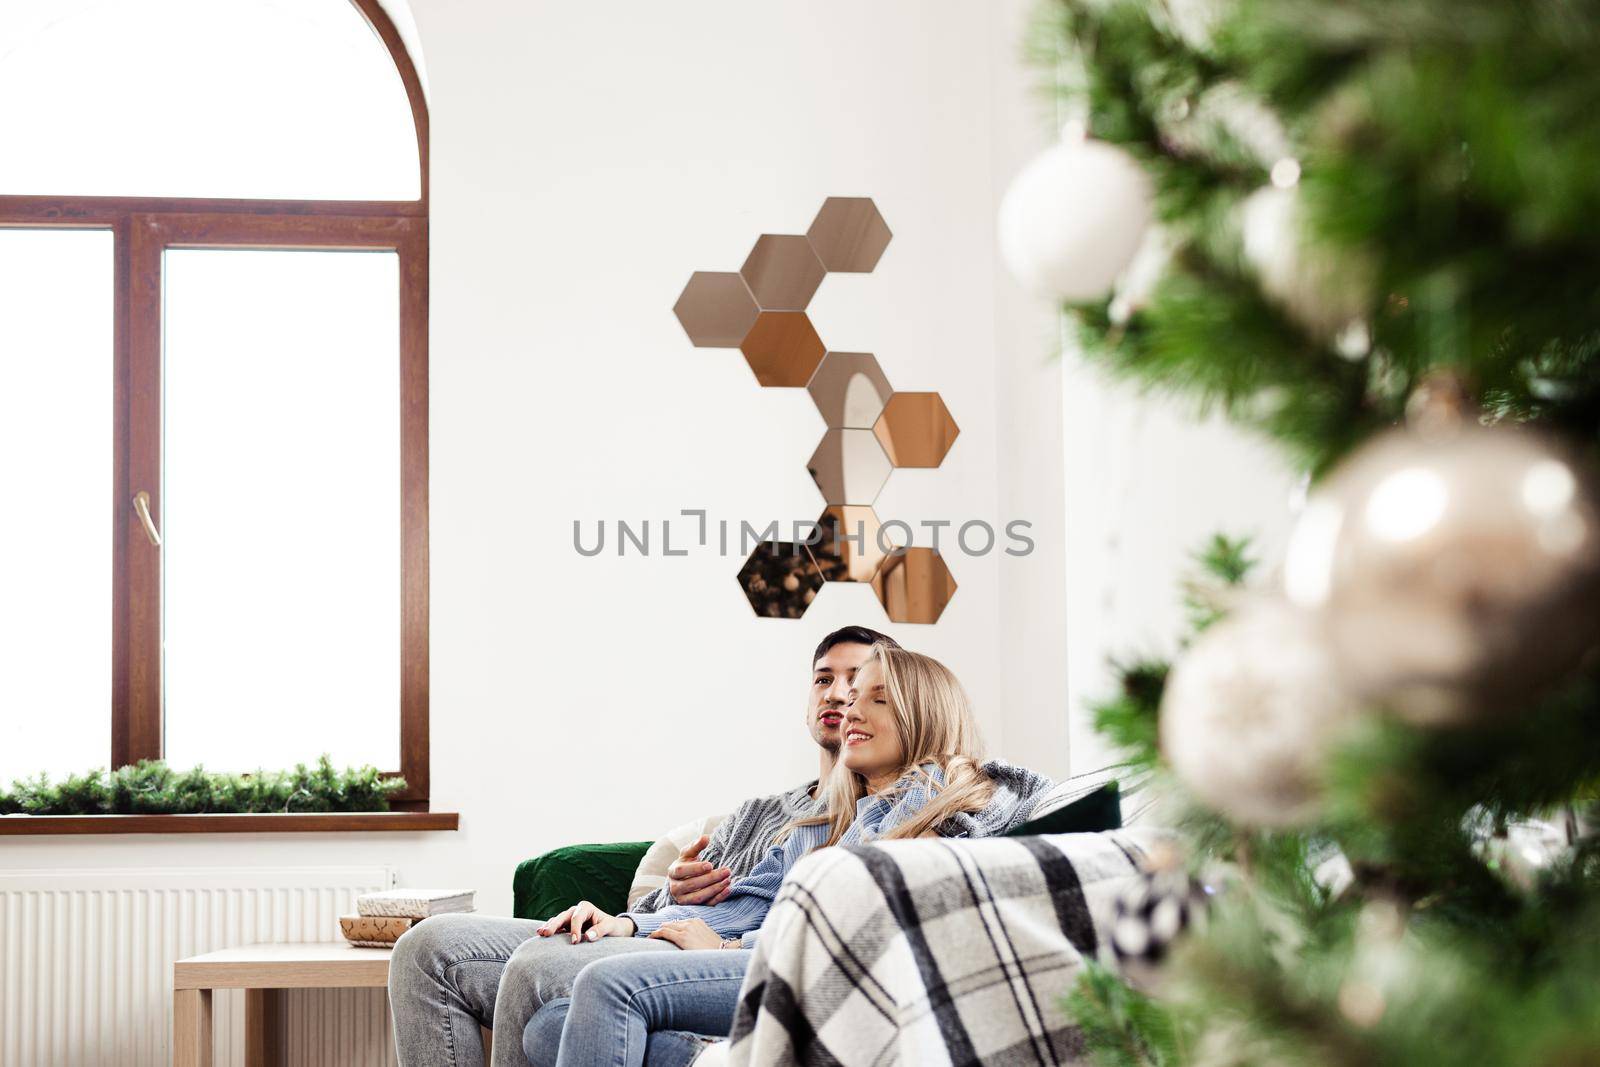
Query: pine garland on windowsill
150	787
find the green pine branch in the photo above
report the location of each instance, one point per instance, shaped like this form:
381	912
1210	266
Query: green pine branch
1447	148
150	787
1121	1026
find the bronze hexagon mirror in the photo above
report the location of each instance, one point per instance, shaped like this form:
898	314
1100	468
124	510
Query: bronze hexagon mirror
780	579
783	349
849	467
848	548
849	234
716	310
914	586
916	429
783	272
849	389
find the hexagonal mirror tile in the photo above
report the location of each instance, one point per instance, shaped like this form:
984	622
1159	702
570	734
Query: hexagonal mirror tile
849	467
783	349
914	586
850	389
849	234
716	310
782	272
916	429
848	548
780	580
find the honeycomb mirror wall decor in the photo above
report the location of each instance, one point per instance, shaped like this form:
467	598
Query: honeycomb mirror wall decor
762	310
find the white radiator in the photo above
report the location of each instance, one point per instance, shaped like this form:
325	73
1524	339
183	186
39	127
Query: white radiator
86	963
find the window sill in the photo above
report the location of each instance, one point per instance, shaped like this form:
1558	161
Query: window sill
253	823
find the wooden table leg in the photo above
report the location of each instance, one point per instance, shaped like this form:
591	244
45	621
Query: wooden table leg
191	1028
262	1009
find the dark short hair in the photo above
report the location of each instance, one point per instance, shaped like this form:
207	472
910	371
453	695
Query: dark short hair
852	635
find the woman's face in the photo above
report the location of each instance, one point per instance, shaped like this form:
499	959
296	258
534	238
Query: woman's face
872	746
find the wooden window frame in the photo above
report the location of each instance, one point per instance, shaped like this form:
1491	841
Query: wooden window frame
143	228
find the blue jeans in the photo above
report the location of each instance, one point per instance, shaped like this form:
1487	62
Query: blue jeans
626	1011
453	973
541	1041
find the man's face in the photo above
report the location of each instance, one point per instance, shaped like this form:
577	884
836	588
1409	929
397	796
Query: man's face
830	691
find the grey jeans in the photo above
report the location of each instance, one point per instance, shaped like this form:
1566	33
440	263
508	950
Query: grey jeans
453	973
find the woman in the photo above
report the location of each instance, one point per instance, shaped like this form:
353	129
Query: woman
908	767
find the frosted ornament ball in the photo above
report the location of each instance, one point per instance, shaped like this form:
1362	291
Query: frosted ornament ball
1072	221
1251	713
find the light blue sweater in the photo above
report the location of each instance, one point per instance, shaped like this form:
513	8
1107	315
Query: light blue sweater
746	906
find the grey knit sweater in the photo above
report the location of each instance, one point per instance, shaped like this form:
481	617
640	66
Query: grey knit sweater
1016	791
742	839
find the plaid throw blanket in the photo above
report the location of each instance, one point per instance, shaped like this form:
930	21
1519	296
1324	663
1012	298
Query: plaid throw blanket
932	951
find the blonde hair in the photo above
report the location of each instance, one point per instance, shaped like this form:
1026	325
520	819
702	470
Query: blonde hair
934	718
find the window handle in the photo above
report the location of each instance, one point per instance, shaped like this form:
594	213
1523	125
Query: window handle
141	505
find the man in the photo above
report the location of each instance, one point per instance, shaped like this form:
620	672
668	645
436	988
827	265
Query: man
453	973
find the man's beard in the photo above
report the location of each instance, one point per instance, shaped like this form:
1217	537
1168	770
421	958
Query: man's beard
830	740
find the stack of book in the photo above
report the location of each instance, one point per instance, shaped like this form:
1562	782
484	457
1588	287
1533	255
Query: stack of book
382	917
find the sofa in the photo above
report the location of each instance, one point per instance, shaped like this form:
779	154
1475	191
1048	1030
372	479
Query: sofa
919	951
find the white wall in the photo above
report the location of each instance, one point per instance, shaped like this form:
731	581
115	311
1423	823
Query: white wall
1147	484
586	159
1029	432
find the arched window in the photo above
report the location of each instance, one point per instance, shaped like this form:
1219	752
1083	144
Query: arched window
213	387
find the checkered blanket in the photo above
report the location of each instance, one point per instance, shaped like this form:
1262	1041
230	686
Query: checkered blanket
932	951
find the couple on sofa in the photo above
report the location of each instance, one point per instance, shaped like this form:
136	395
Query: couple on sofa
900	757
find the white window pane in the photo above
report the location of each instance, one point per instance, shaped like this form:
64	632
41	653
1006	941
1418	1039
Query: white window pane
218	98
281	508
56	381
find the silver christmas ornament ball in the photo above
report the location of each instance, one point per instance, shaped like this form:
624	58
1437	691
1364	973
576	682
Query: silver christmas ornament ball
1456	572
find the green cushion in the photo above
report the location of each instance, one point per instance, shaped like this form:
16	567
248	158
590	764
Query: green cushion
601	874
1098	811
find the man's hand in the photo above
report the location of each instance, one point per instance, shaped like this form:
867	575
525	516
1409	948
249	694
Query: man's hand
694	881
584	914
689	934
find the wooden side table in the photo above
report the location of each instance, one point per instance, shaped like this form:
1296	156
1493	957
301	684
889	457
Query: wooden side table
261	970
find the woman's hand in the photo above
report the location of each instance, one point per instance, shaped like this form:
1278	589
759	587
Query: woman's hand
689	934
584	914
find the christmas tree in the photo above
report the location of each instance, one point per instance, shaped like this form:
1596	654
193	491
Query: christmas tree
1371	232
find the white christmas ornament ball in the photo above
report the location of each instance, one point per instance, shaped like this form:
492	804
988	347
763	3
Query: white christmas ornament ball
1324	293
1456	573
1072	220
1251	713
